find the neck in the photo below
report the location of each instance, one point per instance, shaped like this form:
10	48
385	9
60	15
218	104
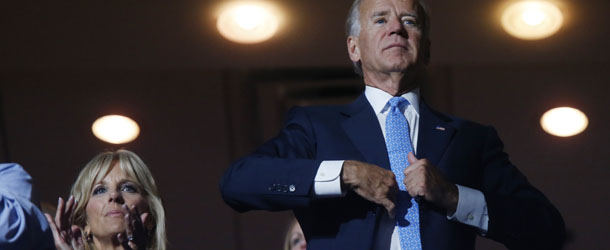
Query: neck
107	243
394	83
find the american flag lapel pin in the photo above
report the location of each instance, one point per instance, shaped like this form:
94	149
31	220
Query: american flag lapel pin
440	128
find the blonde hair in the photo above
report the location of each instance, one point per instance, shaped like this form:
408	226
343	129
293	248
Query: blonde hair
287	238
95	171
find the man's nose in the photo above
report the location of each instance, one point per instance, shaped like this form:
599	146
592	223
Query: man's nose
396	27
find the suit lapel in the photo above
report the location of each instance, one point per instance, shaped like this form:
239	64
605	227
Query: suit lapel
362	127
434	135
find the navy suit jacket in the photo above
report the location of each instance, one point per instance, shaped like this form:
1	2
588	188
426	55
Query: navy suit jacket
279	176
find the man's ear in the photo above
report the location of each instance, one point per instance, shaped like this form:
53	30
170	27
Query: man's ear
353	48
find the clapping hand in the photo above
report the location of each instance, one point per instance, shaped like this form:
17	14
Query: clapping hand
65	235
136	234
70	237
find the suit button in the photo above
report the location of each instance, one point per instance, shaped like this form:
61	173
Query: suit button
271	187
278	188
292	188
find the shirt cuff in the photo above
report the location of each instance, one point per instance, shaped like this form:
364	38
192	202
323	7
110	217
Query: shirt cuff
471	209
327	182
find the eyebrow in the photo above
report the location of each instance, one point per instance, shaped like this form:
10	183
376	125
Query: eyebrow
409	14
380	13
121	182
385	13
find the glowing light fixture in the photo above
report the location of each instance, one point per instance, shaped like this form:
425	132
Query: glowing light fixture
248	22
564	121
115	129
531	20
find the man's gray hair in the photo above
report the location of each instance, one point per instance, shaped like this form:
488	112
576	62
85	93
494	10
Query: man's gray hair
352	28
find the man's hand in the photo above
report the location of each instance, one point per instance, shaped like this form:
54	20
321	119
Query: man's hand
422	179
373	183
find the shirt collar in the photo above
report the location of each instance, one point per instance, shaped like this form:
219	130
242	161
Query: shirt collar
379	98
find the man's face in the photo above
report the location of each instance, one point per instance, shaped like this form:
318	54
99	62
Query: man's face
390	35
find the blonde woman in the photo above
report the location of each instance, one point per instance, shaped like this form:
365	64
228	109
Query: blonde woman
294	239
114	204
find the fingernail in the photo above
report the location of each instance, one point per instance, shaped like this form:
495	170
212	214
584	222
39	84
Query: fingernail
59	200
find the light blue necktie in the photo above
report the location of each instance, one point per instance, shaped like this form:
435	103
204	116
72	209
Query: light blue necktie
398	143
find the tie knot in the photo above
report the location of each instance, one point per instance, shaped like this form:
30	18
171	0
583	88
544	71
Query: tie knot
398	102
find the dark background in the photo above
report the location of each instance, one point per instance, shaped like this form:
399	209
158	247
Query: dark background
202	101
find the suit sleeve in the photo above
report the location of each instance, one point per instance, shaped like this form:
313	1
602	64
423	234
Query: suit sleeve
279	175
520	216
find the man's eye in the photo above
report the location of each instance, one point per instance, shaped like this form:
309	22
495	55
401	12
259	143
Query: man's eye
409	22
129	188
380	21
99	190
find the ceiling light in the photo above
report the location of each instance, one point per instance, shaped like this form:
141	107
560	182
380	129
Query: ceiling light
115	129
564	121
531	20
248	22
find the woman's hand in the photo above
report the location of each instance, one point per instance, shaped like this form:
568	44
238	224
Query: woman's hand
136	234
65	235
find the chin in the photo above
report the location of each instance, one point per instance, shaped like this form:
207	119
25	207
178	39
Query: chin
399	64
399	68
115	229
402	65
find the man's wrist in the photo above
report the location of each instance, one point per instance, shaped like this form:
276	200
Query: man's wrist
471	209
452	199
343	185
346	174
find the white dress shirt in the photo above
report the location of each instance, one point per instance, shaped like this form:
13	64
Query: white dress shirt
471	208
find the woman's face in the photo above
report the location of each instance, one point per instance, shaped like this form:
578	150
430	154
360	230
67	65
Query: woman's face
297	239
105	215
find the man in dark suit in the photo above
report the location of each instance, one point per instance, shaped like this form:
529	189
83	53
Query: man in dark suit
386	171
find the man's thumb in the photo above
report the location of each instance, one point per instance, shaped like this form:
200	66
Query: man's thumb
411	157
